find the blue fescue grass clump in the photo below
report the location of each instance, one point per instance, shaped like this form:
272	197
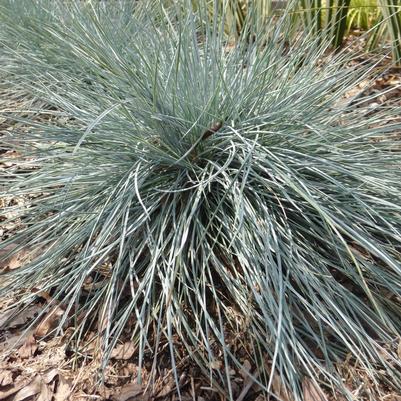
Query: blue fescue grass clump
210	197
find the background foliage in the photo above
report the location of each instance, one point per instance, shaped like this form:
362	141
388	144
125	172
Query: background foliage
332	19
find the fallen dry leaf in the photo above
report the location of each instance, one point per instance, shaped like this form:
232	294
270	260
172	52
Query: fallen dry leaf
216	364
50	375
5	250
15	260
391	397
131	392
63	389
29	347
6	377
6	394
49	322
123	351
46	392
280	390
42	387
248	383
104	392
14	317
166	388
33	388
312	392
245	369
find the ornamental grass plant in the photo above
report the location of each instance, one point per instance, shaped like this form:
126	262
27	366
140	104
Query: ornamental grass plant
215	201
